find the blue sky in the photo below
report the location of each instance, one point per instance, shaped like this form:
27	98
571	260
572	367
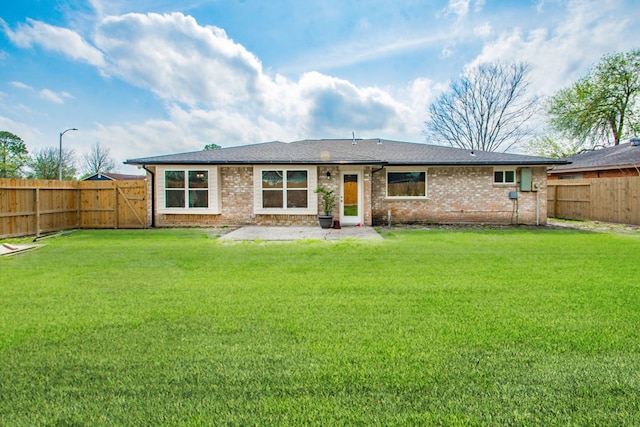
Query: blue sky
149	77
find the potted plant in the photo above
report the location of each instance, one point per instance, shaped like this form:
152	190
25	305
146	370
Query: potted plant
328	204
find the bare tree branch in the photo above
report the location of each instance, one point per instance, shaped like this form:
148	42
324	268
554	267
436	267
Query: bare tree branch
98	160
487	109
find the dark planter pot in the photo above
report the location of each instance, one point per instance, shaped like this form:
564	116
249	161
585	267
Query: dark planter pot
326	221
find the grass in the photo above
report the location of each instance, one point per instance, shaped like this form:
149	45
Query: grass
172	327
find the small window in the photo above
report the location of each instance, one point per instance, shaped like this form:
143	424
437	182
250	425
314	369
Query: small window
174	189
504	176
198	189
406	184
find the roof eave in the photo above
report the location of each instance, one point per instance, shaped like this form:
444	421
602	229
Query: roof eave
594	168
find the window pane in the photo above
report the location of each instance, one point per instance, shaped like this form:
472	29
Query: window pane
296	198
174	179
198	198
272	199
509	176
498	176
296	179
406	184
198	179
271	179
174	198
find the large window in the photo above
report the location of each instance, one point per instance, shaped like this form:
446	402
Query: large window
285	189
186	189
406	184
504	176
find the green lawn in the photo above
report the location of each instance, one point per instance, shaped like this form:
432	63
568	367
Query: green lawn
172	327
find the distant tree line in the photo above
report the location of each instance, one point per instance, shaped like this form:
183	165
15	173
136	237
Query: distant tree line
17	162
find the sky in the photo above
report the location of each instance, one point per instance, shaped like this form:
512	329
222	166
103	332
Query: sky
151	77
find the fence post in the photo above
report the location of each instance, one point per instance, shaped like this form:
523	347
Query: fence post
115	206
79	206
37	191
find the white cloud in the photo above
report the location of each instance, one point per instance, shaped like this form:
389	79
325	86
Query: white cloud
558	55
55	39
458	7
25	131
21	85
483	30
51	96
180	60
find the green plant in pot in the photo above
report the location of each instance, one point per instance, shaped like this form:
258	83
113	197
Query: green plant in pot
328	204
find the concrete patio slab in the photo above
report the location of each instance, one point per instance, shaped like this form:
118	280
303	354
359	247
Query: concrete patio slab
300	233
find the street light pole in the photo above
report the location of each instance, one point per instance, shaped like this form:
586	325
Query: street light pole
60	154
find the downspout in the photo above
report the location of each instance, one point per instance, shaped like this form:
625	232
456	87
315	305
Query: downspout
153	198
537	208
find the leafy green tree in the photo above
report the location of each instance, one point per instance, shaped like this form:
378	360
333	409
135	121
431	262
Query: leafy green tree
487	109
547	146
600	108
44	164
13	155
211	147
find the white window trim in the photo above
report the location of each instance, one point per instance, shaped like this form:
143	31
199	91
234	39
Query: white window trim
503	170
214	189
406	169
312	177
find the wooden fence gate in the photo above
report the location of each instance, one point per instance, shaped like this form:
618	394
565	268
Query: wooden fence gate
33	207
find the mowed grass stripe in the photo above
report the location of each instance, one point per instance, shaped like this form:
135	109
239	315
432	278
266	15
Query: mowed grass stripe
426	327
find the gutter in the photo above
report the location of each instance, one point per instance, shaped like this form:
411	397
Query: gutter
153	198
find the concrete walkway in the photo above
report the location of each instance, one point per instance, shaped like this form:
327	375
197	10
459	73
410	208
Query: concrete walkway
300	233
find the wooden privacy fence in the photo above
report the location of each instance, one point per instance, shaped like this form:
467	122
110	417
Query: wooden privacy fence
33	207
599	199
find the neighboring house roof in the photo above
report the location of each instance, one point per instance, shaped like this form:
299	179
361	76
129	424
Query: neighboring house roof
620	156
346	151
108	176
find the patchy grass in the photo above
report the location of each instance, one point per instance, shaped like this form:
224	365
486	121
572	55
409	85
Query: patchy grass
171	327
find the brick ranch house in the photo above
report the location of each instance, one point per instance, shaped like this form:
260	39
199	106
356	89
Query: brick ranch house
376	181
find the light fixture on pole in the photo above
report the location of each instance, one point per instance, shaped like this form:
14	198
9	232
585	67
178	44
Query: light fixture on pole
60	154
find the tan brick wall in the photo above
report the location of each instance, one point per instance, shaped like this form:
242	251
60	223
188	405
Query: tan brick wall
236	199
455	195
461	195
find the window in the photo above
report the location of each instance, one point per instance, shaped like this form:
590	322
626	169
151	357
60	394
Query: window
406	184
504	176
285	189
186	188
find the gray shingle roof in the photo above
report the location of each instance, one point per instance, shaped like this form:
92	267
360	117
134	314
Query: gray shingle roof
619	156
345	151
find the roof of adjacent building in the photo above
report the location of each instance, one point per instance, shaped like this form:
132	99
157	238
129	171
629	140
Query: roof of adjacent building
346	151
108	176
620	156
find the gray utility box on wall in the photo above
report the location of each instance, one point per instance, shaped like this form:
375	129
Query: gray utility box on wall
525	179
